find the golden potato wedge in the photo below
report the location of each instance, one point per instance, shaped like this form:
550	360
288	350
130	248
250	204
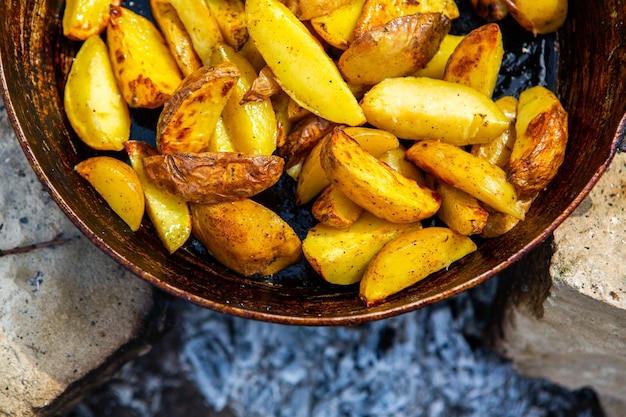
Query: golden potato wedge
188	119
252	125
309	9
538	17
312	179
252	54
213	177
93	102
201	25
405	44
84	18
246	237
477	177
498	151
317	87
337	27
477	59
540	140
395	158
500	223
231	19
176	36
168	213
460	211
221	141
340	256
333	208
425	108
422	252
119	186
145	70
437	65
374	185
490	10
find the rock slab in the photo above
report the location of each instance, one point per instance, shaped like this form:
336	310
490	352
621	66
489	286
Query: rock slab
564	310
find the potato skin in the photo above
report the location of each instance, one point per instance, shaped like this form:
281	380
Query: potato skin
212	177
246	237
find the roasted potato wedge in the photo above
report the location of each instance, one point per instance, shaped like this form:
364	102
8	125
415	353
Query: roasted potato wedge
320	88
538	17
477	59
145	70
340	256
437	65
93	102
201	25
176	36
188	119
395	158
490	10
422	252
405	44
377	13
252	125
119	186
84	18
477	177
213	177
312	179
425	108
168	213
374	185
333	208
540	142
337	27
231	19
309	9
498	151
460	211
246	237
500	223
304	135
221	140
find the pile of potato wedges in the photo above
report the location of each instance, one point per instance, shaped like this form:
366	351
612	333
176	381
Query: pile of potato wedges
383	119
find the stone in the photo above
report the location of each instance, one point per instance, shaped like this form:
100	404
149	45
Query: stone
563	308
69	315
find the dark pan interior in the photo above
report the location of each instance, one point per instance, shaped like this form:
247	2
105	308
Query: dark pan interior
584	64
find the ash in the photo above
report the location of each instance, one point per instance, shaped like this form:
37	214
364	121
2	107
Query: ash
430	363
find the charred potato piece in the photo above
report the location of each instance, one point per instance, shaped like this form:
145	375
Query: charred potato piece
168	213
93	102
538	17
188	119
477	177
213	177
246	237
541	137
201	25
405	44
119	186
145	70
176	36
231	19
318	87
309	9
423	252
374	185
477	59
340	256
425	108
84	18
490	10
333	208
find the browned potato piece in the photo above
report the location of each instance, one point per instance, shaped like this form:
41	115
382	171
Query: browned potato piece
176	36
498	151
231	19
374	185
188	119
538	17
333	208
404	44
303	137
246	237
477	59
460	211
490	10
308	9
264	86
541	138
145	70
213	177
378	12
83	18
500	223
